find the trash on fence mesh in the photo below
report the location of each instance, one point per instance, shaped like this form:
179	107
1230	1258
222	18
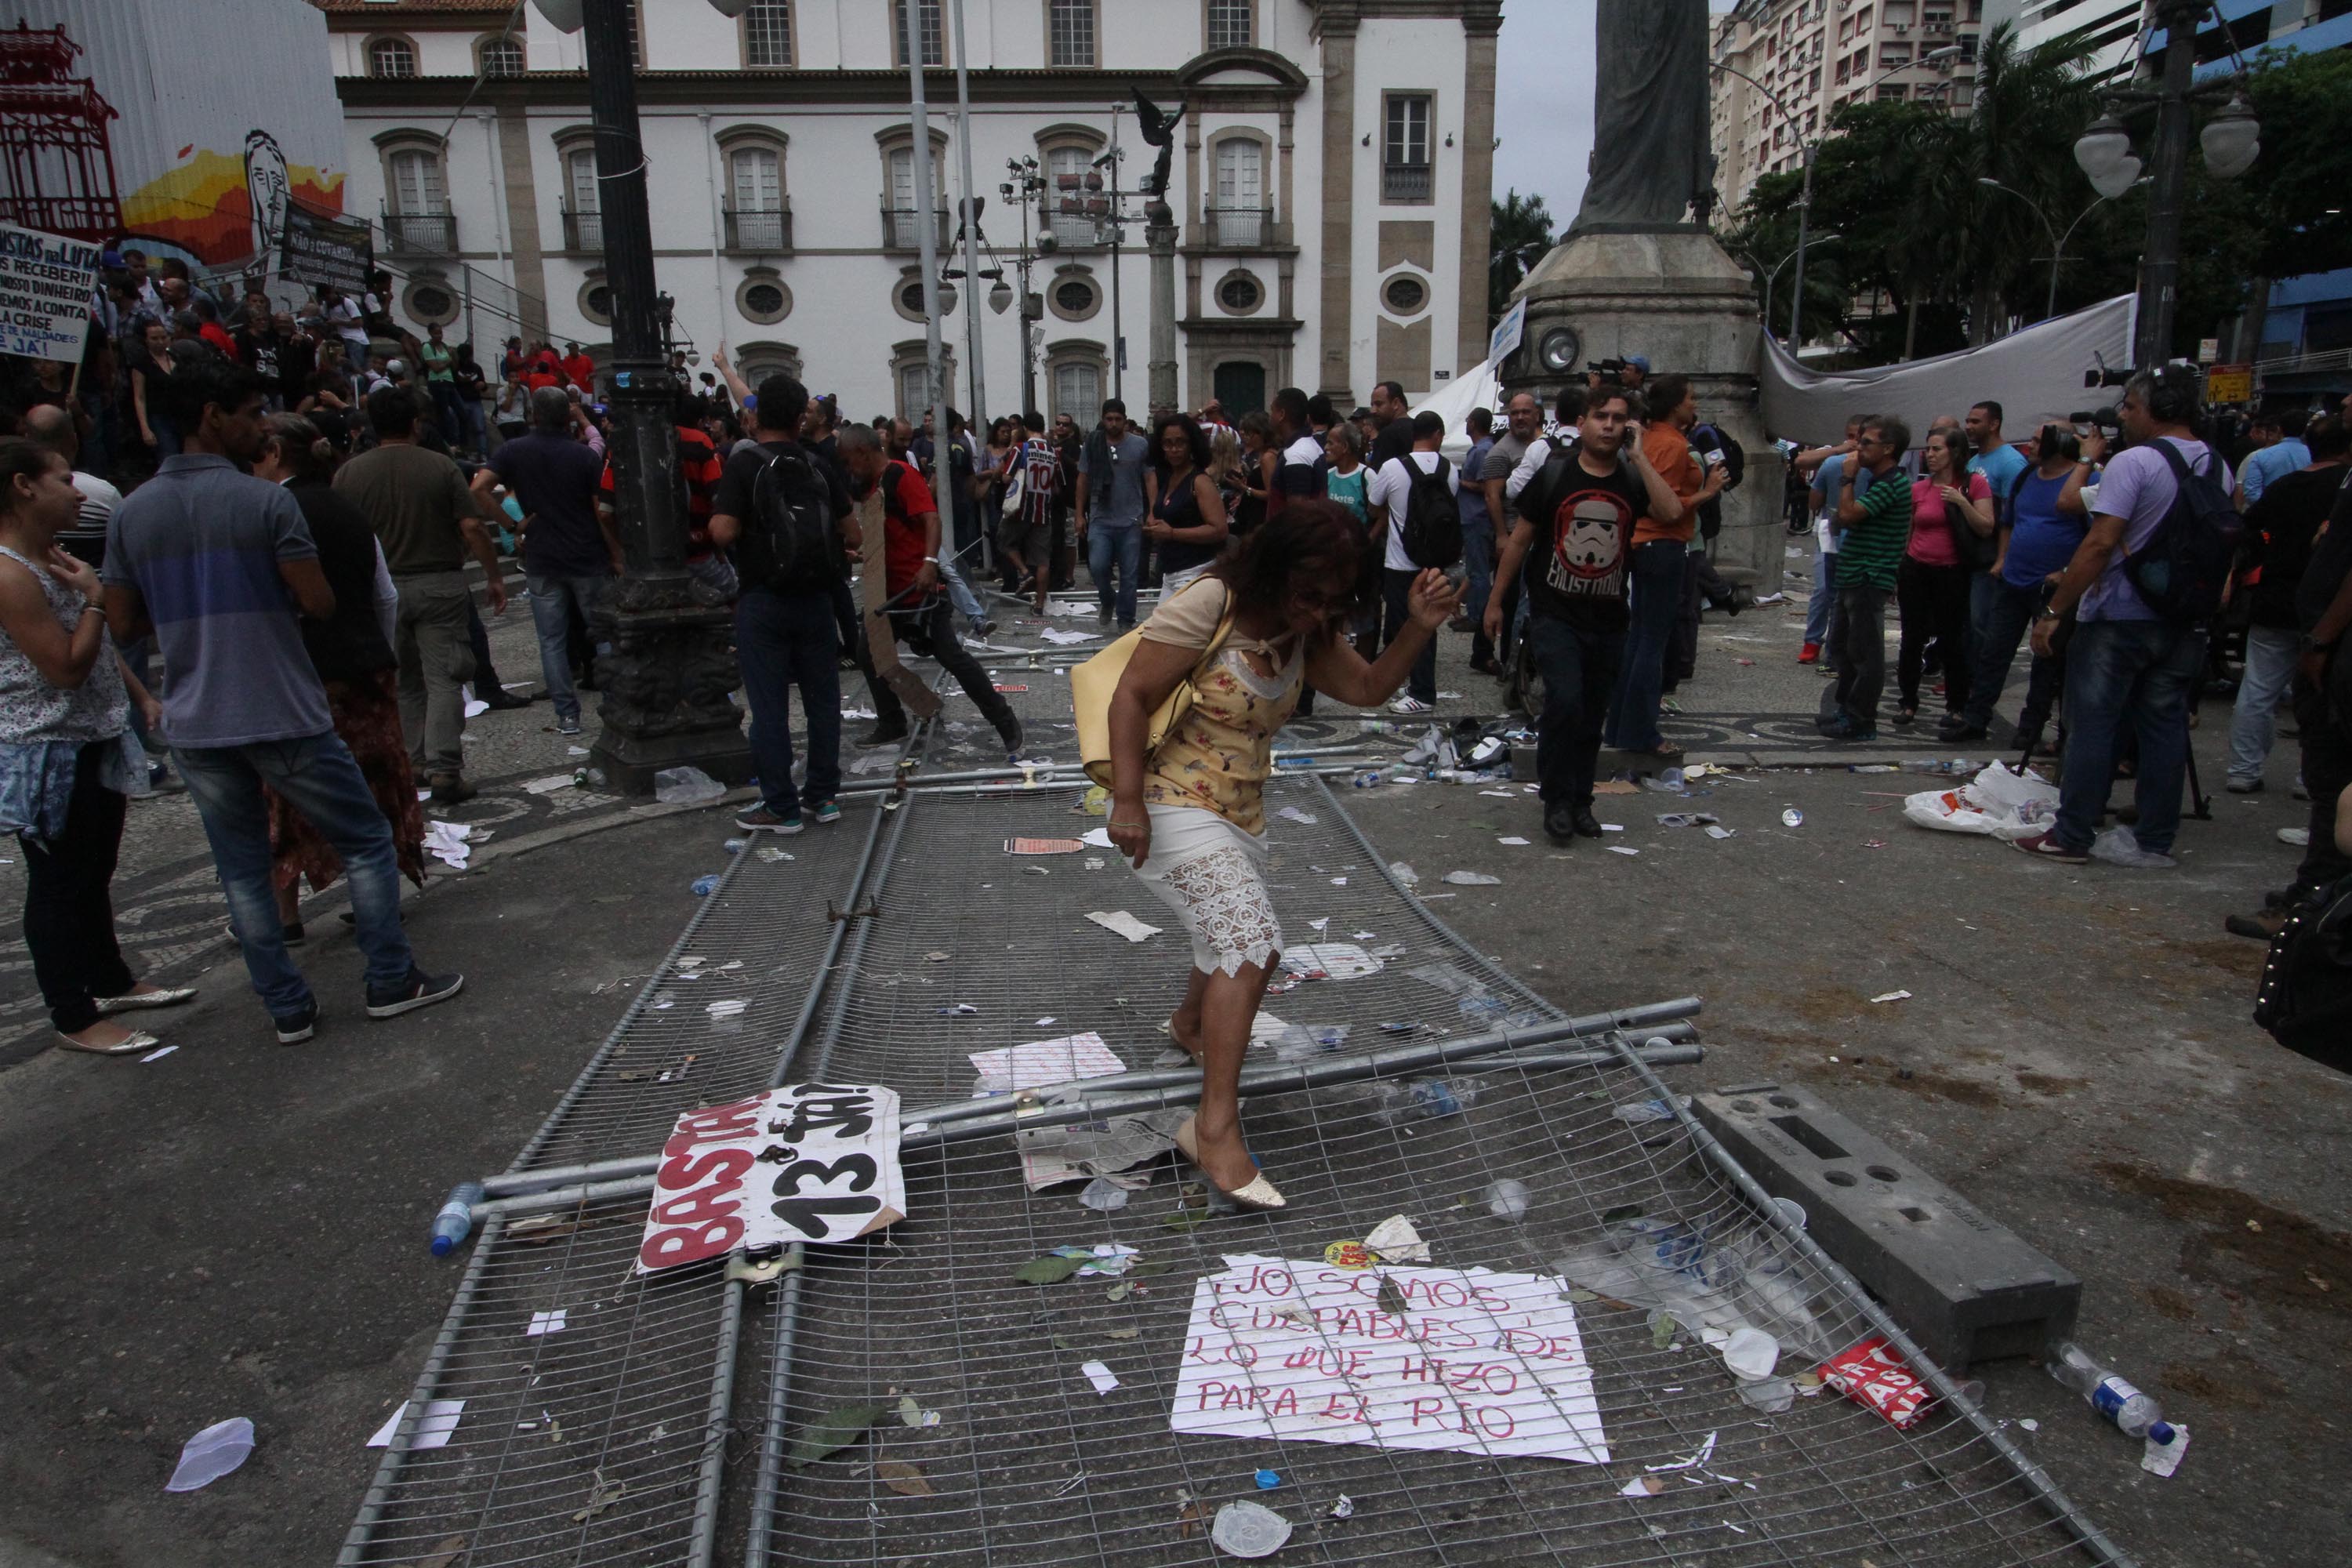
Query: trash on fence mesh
1044	845
1299	1042
686	786
1751	1353
1508	1199
1892	996
1345	1508
912	1413
1101	1375
1473	880
1292	814
1396	1241
1248	1530
835	1430
546	1323
212	1454
1267	1480
1871	1373
1706	1452
433	1428
902	1477
1770	1396
1103	1196
602	1495
1422	1098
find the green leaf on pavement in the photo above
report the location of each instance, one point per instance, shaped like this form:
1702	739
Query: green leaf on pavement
835	1430
1048	1269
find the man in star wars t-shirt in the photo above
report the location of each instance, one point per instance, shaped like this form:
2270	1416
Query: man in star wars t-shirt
1572	536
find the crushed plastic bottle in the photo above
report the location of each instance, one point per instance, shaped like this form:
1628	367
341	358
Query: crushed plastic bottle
686	786
705	885
1403	873
1423	1099
1369	779
1508	1199
2137	1415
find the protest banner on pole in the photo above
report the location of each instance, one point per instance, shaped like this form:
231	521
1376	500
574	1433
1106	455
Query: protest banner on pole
321	249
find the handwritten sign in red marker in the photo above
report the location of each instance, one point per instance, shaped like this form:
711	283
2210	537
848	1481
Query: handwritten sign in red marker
811	1163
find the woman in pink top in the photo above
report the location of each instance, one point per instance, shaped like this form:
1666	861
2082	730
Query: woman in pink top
1932	587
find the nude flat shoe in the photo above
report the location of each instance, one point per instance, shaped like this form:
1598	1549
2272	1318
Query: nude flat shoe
138	1040
1259	1194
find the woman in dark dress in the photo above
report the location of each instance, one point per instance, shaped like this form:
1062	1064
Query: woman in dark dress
353	652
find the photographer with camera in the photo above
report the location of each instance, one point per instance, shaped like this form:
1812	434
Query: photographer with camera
2040	524
1627	374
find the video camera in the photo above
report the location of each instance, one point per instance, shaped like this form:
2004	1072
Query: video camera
1611	372
2106	421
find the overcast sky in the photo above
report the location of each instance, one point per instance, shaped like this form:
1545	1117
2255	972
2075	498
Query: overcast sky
1543	100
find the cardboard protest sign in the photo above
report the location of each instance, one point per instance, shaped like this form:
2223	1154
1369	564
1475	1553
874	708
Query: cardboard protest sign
45	292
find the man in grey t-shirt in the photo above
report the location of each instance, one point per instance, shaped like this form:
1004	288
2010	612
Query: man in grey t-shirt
1524	417
217	565
1111	504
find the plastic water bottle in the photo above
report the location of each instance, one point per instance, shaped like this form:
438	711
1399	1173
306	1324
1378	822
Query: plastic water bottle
2137	1414
1368	779
456	1220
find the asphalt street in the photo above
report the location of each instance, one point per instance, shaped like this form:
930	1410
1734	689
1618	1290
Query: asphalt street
237	1229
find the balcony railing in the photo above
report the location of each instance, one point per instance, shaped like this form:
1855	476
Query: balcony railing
420	234
1239	228
1405	181
900	229
583	231
768	233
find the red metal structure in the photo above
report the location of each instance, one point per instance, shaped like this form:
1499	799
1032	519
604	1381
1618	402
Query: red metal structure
57	162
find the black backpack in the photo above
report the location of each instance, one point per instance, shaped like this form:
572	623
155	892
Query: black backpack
1732	457
2182	573
2305	997
1433	516
788	540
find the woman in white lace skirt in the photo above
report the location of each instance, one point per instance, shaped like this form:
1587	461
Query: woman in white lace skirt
1269	617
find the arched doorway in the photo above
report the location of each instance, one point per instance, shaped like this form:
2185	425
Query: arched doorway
1241	387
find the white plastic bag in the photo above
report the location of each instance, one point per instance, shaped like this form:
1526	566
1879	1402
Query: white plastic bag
686	786
1997	803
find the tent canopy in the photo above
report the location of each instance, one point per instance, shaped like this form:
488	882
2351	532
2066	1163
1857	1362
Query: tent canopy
1474	388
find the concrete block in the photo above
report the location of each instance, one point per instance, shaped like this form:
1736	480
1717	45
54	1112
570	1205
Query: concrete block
1963	1286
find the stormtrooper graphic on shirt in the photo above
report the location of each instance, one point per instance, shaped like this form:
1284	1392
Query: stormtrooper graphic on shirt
1590	530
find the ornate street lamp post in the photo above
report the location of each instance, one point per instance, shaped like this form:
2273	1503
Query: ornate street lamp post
2232	138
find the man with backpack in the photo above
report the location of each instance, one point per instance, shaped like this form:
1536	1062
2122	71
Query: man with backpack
2142	585
1660	557
783	515
1418	495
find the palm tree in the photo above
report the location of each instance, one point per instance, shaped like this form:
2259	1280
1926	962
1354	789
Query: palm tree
2030	106
1522	234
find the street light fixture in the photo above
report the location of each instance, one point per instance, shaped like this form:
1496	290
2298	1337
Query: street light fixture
1808	147
2231	140
2057	240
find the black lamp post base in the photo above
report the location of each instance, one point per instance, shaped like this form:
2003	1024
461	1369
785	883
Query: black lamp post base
664	693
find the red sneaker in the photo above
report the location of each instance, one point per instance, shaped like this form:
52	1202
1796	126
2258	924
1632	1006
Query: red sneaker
1810	653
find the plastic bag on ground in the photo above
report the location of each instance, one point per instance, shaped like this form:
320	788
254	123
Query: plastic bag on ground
2116	847
686	786
1713	1284
1998	802
212	1454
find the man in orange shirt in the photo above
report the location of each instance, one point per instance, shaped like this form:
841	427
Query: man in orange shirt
1660	547
578	368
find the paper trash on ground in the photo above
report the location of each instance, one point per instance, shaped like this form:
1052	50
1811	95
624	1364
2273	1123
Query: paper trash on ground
1331	960
432	1430
547	1322
1124	924
1097	837
2163	1459
547	786
1100	1375
839	1179
1254	1370
1041	1062
1053	1155
1396	1241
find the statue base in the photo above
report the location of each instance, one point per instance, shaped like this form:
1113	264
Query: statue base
1675	297
664	689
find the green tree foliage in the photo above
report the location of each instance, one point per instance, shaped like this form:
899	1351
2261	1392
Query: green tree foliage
2301	183
1521	235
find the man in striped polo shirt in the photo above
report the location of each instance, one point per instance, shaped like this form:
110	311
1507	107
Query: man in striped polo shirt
1873	524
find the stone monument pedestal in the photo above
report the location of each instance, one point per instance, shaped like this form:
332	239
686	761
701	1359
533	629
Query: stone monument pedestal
1677	299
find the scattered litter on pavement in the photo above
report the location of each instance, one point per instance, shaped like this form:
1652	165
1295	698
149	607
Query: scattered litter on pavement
1100	838
958	1010
576	751
912	1413
902	1477
1713	831
1612	828
1044	845
1103	1195
433	1428
704	886
1871	1373
212	1454
1248	1530
1329	961
1642	1486
1345	1508
1622	849
1100	1375
1706	1452
1267	1480
2163	1459
771	855
1514	841
937	957
726	1009
1508	1199
1750	1353
1473	880
835	1430
1121	923
546	1323
1687	818
1396	1241
449	842
1292	814
1892	996
1998	802
686	786
1339	881
158	1053
1403	873
2031	1425
1792	817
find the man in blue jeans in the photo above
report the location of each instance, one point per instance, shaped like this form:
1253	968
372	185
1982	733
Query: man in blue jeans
1110	510
215	563
2126	664
784	515
1662	540
570	551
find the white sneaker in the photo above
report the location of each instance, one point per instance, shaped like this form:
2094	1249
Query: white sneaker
2296	837
1409	704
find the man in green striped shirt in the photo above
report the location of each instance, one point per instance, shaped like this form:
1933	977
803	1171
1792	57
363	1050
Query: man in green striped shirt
1873	524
